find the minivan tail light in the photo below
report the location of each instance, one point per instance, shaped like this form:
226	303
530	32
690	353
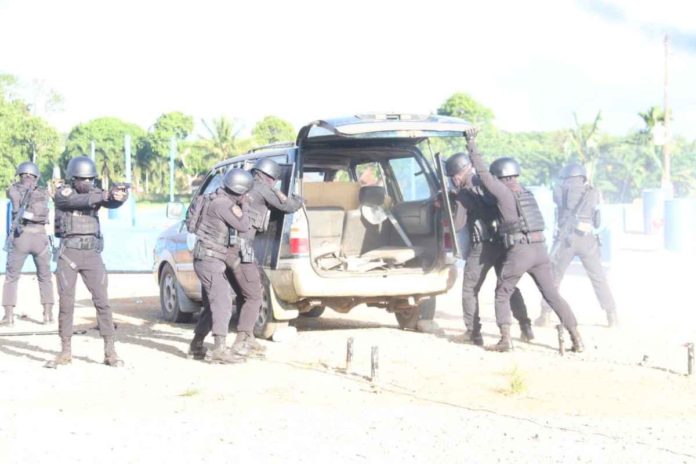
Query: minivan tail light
299	235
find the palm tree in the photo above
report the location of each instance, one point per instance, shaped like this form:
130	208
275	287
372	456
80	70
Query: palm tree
583	138
222	141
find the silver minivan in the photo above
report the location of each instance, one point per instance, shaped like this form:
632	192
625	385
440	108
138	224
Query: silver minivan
375	228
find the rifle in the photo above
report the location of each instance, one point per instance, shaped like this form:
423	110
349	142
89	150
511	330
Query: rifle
16	227
568	226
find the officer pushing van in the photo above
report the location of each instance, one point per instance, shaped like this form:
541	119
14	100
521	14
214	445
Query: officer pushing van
476	209
27	236
81	244
521	228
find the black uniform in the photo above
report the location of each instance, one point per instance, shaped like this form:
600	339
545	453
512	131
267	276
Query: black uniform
77	225
246	277
210	255
521	226
32	240
577	203
479	213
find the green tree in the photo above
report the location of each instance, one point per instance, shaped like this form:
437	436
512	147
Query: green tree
108	135
272	129
462	105
153	159
23	136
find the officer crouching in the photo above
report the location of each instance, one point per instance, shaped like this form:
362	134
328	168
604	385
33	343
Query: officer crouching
77	225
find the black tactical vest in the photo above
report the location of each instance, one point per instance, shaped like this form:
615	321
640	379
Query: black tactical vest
258	210
77	222
574	197
530	220
36	211
482	215
213	233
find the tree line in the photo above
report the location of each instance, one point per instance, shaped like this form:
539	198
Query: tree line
621	166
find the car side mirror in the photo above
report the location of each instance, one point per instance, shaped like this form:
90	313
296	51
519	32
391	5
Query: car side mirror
175	210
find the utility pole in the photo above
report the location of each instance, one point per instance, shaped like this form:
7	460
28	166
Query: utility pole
666	161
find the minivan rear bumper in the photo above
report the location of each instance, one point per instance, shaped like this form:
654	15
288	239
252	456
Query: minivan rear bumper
297	280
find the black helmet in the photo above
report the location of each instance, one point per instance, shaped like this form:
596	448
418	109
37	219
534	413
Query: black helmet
456	163
268	167
27	167
82	167
505	167
573	170
238	181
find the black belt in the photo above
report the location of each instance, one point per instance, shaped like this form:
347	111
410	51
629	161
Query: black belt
80	243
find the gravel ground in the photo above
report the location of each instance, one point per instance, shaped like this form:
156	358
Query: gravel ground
626	399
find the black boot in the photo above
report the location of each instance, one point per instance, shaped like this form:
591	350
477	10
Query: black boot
110	356
48	313
505	342
526	333
577	347
612	319
245	344
475	336
197	350
9	316
544	319
221	354
253	344
65	355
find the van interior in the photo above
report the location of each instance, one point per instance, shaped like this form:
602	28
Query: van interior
371	210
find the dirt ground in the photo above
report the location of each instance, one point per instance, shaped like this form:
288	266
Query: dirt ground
437	399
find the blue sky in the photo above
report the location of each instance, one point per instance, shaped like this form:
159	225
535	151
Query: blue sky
534	63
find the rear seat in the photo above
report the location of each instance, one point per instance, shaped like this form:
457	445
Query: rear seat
371	241
326	204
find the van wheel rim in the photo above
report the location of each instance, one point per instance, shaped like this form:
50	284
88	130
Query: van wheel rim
169	293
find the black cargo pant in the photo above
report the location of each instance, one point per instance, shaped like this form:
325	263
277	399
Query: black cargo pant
480	259
245	280
89	264
247	285
35	244
217	304
531	258
586	247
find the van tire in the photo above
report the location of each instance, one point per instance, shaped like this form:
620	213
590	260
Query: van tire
170	297
425	311
266	324
316	311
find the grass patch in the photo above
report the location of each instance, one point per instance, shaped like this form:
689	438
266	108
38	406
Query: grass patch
190	392
516	382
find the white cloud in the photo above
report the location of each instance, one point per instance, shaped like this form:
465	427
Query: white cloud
533	63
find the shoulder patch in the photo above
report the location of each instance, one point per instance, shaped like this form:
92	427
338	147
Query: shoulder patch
67	191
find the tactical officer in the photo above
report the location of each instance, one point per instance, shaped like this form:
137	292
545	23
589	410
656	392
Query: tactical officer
476	209
224	218
521	228
246	278
77	225
577	201
28	237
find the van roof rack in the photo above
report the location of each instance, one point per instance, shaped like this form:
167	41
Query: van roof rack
272	145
